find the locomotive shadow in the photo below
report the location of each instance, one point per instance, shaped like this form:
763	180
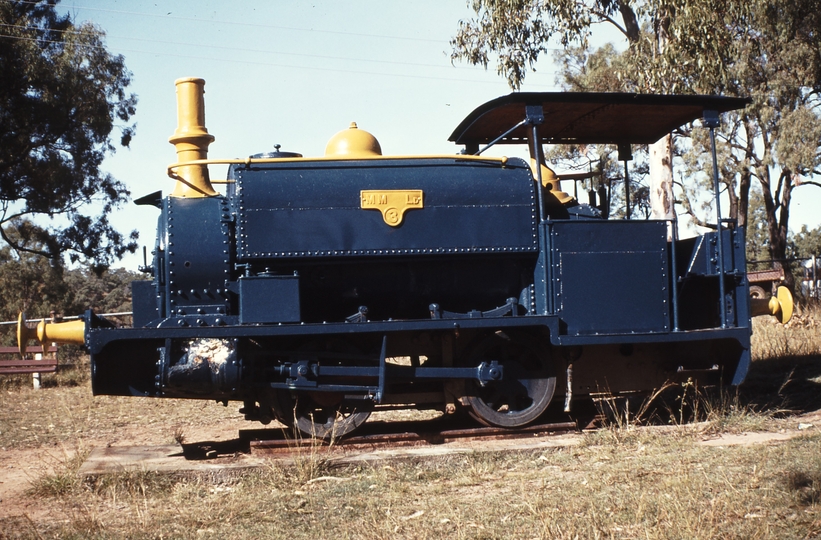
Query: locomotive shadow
784	385
426	432
775	387
780	387
207	450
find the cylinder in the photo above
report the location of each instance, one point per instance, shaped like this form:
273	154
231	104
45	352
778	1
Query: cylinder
191	140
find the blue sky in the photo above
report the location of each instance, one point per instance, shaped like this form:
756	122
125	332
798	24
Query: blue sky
295	73
289	73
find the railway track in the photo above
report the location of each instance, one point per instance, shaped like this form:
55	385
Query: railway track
376	440
385	436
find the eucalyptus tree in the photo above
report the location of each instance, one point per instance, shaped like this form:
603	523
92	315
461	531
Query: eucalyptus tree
768	50
519	31
62	94
28	282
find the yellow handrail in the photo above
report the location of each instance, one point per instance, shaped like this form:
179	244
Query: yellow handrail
248	161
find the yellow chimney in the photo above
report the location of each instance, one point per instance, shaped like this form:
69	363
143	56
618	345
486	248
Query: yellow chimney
191	140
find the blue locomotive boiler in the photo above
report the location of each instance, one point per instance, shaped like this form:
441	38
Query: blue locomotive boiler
316	290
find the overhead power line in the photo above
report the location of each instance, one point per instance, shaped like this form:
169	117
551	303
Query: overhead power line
201	46
228	48
290	66
243	23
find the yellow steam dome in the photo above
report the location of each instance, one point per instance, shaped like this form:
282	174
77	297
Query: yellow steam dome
354	143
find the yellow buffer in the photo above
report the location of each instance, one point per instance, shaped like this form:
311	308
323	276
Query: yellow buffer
780	305
72	332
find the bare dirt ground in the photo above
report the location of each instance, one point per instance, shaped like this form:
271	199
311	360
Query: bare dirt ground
80	423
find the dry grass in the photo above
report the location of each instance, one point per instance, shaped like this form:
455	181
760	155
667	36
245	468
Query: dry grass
706	411
33	418
651	485
786	371
800	337
621	482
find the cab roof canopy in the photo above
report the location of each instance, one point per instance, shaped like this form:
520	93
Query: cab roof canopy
587	118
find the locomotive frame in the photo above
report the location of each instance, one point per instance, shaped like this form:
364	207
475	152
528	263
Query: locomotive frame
317	290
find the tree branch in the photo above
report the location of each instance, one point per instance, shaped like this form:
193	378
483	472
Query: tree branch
18	248
608	19
809	183
688	209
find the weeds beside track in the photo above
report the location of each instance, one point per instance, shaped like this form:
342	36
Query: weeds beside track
620	482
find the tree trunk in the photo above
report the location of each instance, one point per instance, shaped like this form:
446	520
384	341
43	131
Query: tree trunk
779	243
744	198
777	224
746	178
662	200
631	24
661	181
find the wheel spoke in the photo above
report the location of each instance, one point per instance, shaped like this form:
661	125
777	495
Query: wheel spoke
327	421
324	415
528	383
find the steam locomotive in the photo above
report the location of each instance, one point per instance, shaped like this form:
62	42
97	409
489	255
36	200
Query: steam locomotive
316	290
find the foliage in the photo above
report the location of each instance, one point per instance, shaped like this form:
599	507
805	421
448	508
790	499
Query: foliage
806	243
518	31
776	139
767	50
589	70
28	283
105	292
61	95
585	70
758	238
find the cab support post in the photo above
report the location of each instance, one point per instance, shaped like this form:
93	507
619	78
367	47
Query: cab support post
711	121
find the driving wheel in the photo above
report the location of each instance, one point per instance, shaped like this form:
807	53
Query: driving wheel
320	415
528	382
